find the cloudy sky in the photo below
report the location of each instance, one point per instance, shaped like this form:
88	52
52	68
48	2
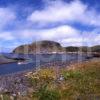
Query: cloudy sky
69	22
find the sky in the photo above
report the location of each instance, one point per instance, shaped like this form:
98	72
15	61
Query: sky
69	22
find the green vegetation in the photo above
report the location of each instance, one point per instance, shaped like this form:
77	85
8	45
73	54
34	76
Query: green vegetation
72	49
79	82
77	49
83	49
4	97
46	94
96	48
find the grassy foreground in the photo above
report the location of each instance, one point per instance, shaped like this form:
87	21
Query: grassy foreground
79	82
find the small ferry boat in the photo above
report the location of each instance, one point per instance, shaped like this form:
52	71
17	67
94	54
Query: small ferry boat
20	62
24	62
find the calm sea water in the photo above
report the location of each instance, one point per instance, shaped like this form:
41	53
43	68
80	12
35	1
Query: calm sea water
35	61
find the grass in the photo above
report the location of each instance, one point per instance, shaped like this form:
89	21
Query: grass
5	97
79	82
46	94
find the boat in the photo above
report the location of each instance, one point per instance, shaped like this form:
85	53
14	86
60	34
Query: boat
24	62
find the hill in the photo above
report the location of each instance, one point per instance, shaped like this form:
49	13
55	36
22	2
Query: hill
39	47
52	47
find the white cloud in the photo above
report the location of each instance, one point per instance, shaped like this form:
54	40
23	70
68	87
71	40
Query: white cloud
66	35
5	36
57	33
6	16
59	11
87	38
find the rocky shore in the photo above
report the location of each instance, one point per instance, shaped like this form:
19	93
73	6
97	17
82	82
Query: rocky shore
12	84
18	83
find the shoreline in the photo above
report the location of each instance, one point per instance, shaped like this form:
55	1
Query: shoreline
7	62
20	78
57	64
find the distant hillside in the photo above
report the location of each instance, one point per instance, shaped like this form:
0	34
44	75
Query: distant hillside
39	47
71	49
96	48
83	49
51	46
76	49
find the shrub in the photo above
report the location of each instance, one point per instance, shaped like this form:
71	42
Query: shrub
46	94
71	74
